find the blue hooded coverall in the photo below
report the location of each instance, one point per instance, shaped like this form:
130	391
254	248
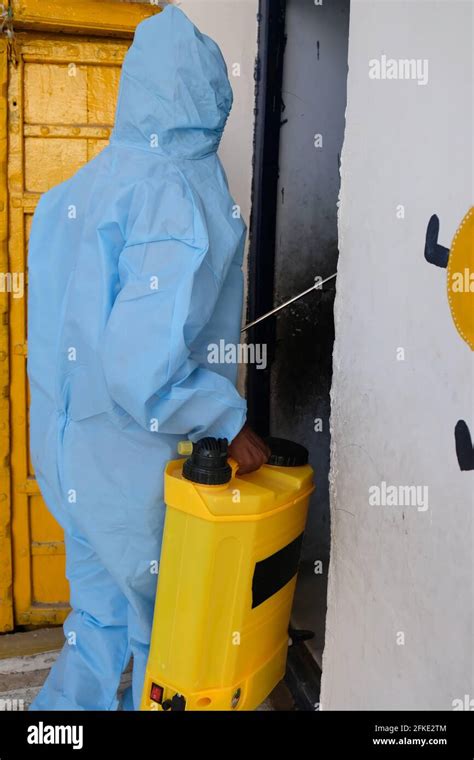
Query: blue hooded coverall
134	270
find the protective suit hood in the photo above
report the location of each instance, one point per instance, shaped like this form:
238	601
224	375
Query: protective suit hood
175	96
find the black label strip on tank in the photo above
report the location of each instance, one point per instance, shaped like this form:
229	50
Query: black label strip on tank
274	572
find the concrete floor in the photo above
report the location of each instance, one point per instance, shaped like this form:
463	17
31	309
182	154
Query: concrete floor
26	658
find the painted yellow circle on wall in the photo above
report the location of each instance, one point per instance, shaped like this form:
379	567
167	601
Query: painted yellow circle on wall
461	279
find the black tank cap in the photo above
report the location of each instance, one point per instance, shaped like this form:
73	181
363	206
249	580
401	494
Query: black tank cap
286	453
207	464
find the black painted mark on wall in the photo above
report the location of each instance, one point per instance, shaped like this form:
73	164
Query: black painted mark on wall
464	447
434	253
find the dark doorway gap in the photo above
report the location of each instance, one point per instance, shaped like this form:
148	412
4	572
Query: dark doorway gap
261	259
301	77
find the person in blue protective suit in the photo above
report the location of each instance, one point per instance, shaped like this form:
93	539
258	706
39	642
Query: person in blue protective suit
134	270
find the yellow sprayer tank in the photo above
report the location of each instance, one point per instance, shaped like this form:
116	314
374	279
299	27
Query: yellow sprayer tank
228	567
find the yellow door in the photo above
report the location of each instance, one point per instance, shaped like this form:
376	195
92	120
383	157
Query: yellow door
57	103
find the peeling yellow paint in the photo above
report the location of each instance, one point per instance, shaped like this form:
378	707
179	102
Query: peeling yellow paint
6	570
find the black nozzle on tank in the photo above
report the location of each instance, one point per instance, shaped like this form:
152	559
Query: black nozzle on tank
208	464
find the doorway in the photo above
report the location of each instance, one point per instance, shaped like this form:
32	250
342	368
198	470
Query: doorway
301	101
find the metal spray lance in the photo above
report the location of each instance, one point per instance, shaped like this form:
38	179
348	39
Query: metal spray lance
316	286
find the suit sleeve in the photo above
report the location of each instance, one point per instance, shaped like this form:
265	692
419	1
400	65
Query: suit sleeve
147	362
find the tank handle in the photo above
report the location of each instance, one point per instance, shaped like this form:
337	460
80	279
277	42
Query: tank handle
234	466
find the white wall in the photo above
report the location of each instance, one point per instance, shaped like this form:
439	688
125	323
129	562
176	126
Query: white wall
396	569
